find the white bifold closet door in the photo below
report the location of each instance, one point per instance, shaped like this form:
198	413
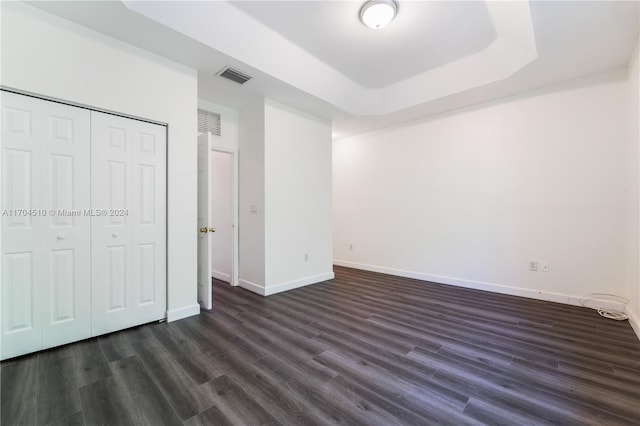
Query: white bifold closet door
83	239
46	278
128	196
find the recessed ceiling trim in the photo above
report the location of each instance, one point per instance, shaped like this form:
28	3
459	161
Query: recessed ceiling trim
227	29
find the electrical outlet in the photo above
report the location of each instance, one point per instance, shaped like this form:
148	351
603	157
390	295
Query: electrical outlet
306	257
545	266
533	265
350	247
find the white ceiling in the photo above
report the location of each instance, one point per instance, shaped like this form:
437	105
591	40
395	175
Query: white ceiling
412	44
317	56
228	30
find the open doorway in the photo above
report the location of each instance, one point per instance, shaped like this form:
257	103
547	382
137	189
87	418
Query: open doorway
217	236
221	214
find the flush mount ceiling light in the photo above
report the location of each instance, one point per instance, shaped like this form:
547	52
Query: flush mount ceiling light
378	13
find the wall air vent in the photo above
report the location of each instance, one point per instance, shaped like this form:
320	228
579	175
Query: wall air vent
209	122
234	75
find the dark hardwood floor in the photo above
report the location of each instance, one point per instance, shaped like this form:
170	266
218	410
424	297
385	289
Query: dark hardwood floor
363	349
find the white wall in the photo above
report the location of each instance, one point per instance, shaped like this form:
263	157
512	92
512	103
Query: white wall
299	242
633	240
469	197
285	174
222	214
53	57
252	184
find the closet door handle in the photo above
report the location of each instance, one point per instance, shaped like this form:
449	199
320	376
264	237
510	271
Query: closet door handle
60	237
115	235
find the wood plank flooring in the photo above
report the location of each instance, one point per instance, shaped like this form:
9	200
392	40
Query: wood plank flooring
362	349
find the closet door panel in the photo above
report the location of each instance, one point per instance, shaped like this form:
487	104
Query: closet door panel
21	243
83	243
112	184
148	214
65	134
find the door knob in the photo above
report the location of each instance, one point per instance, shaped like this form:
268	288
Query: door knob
212	229
60	237
204	230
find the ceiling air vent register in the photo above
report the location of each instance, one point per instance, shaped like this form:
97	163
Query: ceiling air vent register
209	122
234	75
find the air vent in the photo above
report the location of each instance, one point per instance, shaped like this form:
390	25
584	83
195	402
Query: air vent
234	75
209	122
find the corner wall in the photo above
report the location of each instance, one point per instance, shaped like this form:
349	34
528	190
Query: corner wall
469	198
252	197
285	198
49	56
299	240
633	236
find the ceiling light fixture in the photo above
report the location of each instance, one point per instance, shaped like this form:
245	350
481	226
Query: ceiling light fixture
378	13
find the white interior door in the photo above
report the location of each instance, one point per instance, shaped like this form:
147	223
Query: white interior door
22	260
204	240
66	243
112	269
83	239
45	236
148	219
128	229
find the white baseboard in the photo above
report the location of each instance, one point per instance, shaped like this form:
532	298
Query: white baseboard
187	311
289	285
567	299
221	276
253	287
460	282
634	321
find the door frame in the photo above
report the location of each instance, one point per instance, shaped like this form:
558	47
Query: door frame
234	205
